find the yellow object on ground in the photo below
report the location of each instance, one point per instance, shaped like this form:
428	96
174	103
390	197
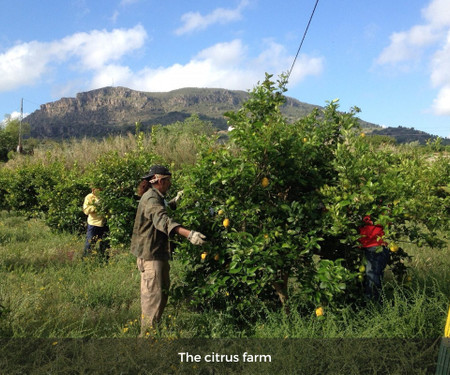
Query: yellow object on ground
443	364
447	325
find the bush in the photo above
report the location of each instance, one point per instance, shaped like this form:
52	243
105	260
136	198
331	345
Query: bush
27	183
281	203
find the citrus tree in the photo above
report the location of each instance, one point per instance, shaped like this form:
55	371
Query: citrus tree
24	185
402	189
281	204
64	201
258	200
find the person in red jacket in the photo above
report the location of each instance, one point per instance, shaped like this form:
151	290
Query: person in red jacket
377	256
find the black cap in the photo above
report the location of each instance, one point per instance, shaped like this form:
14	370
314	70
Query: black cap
156	169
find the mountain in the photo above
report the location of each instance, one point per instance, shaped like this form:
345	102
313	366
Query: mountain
113	110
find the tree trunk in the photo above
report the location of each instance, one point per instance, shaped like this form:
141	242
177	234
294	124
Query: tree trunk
281	287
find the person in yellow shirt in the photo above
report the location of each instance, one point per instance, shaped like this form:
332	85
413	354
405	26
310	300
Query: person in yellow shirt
96	226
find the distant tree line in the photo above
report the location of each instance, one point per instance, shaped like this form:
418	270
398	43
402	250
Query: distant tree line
408	135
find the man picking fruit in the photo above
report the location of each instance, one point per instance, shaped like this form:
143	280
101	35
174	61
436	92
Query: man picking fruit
377	256
151	245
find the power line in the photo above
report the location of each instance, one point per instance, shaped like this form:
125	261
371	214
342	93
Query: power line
303	39
29	101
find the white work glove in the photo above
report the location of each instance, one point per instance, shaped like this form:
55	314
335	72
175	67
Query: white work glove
196	238
178	196
173	202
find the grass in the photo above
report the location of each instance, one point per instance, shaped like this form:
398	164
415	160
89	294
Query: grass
48	291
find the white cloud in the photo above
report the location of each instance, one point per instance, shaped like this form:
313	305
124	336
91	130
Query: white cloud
440	65
27	63
16	115
111	75
441	104
95	57
306	66
224	65
97	48
408	46
194	21
440	77
438	13
224	54
22	65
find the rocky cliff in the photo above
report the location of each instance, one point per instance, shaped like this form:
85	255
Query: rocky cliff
113	110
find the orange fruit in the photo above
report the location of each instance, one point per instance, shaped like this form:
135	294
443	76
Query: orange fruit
319	311
265	182
226	223
204	255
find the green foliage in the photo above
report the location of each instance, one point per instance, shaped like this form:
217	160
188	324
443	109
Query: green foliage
56	189
380	140
64	203
5	177
117	177
402	191
9	137
178	143
266	183
25	185
7	144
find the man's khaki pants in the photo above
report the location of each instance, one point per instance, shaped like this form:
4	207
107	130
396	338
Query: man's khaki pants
155	283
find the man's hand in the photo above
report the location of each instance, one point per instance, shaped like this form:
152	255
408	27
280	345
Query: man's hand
178	196
196	238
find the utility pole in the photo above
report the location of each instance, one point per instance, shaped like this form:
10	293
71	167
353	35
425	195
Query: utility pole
19	146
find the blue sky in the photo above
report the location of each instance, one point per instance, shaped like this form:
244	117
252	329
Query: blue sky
391	61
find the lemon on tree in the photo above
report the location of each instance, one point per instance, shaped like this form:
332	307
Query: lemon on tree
393	247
